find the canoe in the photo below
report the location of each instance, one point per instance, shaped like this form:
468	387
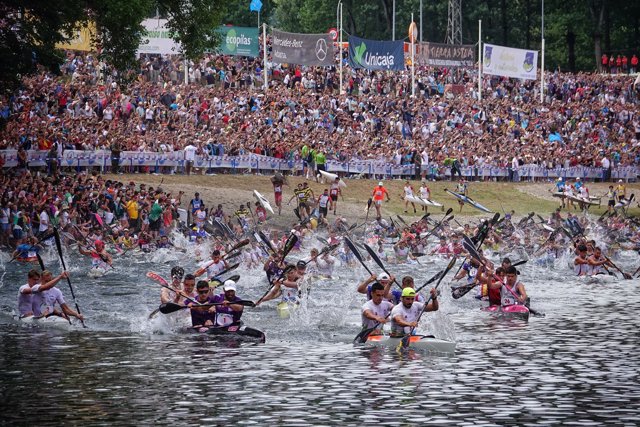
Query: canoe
332	177
263	201
518	312
53	322
468	200
418	342
238	332
431	202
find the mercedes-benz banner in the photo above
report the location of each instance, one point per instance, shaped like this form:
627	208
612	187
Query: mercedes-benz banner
303	49
376	55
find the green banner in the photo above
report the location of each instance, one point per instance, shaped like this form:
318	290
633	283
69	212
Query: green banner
239	41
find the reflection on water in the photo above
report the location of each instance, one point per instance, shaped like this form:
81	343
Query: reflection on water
578	364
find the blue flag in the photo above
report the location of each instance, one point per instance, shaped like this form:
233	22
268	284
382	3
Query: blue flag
255	5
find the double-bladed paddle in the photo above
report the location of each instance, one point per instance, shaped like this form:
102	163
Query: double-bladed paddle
171	307
406	340
378	261
288	245
64	268
460	291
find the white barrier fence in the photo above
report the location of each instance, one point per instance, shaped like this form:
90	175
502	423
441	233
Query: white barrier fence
80	159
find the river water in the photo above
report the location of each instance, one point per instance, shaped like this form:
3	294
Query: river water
577	365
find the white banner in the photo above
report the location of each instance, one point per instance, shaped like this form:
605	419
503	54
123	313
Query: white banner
158	38
79	159
509	62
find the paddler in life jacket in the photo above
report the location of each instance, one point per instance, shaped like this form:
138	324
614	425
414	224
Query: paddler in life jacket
611	199
471	273
202	316
425	193
334	191
621	192
288	287
404	316
100	258
375	312
408	191
243	216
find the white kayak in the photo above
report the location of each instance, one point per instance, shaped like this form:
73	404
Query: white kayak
54	322
582	200
332	177
417	200
417	342
263	201
182	216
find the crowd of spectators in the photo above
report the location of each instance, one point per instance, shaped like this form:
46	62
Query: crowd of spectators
223	110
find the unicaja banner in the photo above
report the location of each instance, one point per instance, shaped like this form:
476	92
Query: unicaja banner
509	62
239	41
303	49
158	38
376	55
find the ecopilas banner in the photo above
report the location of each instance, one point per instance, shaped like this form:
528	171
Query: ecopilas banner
239	41
303	49
376	55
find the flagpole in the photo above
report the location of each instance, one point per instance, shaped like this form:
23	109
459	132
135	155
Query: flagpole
412	31
480	60
264	52
339	23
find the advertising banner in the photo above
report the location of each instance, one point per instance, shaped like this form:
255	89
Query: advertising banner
445	55
158	39
239	41
376	55
509	62
303	49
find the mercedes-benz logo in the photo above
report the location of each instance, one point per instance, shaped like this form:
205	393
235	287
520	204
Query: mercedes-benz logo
321	49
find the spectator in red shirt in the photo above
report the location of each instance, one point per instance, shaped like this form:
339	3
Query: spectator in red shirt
624	64
634	63
605	62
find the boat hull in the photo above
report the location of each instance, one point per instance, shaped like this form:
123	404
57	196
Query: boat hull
518	312
417	342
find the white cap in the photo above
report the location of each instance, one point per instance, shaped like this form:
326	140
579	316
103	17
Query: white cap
578	179
229	285
380	183
619	180
383	276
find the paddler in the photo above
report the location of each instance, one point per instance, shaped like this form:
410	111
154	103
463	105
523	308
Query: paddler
45	302
366	286
243	216
323	203
408	191
404	316
213	267
581	261
425	193
375	312
100	258
261	213
379	194
511	286
598	263
167	295
334	191
32	287
611	199
291	291
228	313
621	192
278	181
302	210
202	316
395	295
461	188
27	251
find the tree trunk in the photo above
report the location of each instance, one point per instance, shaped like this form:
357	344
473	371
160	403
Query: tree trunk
387	8
505	27
571	49
527	12
597	9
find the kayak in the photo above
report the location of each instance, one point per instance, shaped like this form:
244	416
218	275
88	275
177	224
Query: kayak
518	312
624	203
54	322
431	202
263	201
417	201
419	342
581	200
236	331
468	200
332	177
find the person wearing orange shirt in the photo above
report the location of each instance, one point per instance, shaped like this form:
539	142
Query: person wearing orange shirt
378	196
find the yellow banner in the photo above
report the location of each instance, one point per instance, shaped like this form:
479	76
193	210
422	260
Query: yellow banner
81	39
